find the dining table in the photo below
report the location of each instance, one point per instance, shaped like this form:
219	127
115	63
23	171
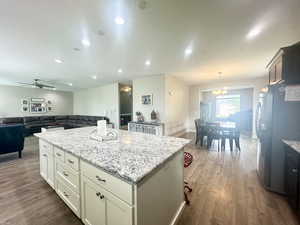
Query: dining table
222	130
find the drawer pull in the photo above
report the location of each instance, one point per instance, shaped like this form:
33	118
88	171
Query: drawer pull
294	170
100	195
70	161
59	155
66	195
45	155
99	179
65	174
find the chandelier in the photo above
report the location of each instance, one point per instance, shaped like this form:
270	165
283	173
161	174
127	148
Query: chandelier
220	91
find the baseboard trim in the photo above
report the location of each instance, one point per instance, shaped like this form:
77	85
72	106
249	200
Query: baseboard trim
178	214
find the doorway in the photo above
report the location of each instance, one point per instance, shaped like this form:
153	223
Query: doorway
125	93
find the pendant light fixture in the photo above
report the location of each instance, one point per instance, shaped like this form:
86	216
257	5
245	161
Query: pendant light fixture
221	91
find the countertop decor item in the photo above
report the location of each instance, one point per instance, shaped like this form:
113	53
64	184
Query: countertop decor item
109	136
140	117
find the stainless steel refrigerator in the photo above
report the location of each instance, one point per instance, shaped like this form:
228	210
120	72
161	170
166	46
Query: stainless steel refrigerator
277	118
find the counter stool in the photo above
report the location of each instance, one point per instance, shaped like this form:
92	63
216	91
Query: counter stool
188	159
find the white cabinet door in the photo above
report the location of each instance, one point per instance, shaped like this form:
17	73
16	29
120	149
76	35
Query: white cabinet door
117	211
100	207
93	208
51	170
44	165
47	167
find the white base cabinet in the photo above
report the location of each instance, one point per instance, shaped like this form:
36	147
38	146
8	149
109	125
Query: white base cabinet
100	207
47	163
99	198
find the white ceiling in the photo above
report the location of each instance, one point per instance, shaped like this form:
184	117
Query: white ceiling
34	33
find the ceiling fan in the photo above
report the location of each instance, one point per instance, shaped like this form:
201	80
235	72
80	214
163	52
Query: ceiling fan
37	83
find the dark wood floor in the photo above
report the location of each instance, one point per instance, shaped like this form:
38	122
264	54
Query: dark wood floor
225	191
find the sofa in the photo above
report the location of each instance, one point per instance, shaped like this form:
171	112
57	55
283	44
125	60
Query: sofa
33	124
11	139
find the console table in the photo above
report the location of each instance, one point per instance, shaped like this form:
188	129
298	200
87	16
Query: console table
148	128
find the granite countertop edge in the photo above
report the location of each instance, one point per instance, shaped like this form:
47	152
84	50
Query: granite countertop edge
293	144
114	173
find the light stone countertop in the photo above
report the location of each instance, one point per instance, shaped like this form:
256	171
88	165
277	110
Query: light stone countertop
131	157
293	144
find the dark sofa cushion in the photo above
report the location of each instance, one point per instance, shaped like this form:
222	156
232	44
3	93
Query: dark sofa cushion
31	119
11	138
12	120
61	118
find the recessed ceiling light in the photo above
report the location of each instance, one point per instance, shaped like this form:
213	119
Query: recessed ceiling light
119	20
70	84
254	32
94	77
120	70
54	89
148	63
58	60
188	51
85	42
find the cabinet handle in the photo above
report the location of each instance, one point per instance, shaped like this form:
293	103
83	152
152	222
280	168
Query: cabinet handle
65	194
294	170
65	174
58	154
100	195
45	155
99	179
70	161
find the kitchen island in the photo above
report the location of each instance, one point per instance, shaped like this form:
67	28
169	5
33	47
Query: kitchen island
134	180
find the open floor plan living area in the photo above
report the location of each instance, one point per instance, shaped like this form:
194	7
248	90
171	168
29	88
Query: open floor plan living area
150	112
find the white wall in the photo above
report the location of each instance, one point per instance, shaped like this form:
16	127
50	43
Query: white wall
11	96
176	105
195	97
257	84
154	85
99	101
170	100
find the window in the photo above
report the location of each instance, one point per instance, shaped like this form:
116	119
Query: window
226	105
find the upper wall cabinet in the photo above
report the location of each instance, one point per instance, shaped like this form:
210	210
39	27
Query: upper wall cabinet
285	65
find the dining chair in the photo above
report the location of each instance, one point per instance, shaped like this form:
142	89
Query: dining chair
200	132
213	134
197	126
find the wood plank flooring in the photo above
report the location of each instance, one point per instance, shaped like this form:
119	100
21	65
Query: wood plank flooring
225	191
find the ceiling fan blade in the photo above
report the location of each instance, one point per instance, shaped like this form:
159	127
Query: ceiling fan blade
46	86
29	84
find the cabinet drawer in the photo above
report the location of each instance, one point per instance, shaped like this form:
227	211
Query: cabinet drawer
115	185
70	176
68	196
59	154
72	161
46	147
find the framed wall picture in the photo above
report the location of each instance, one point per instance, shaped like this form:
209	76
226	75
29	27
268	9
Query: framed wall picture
38	107
25	101
147	99
25	108
37	100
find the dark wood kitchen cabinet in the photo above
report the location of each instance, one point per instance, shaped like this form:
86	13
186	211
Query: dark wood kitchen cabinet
292	177
285	65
